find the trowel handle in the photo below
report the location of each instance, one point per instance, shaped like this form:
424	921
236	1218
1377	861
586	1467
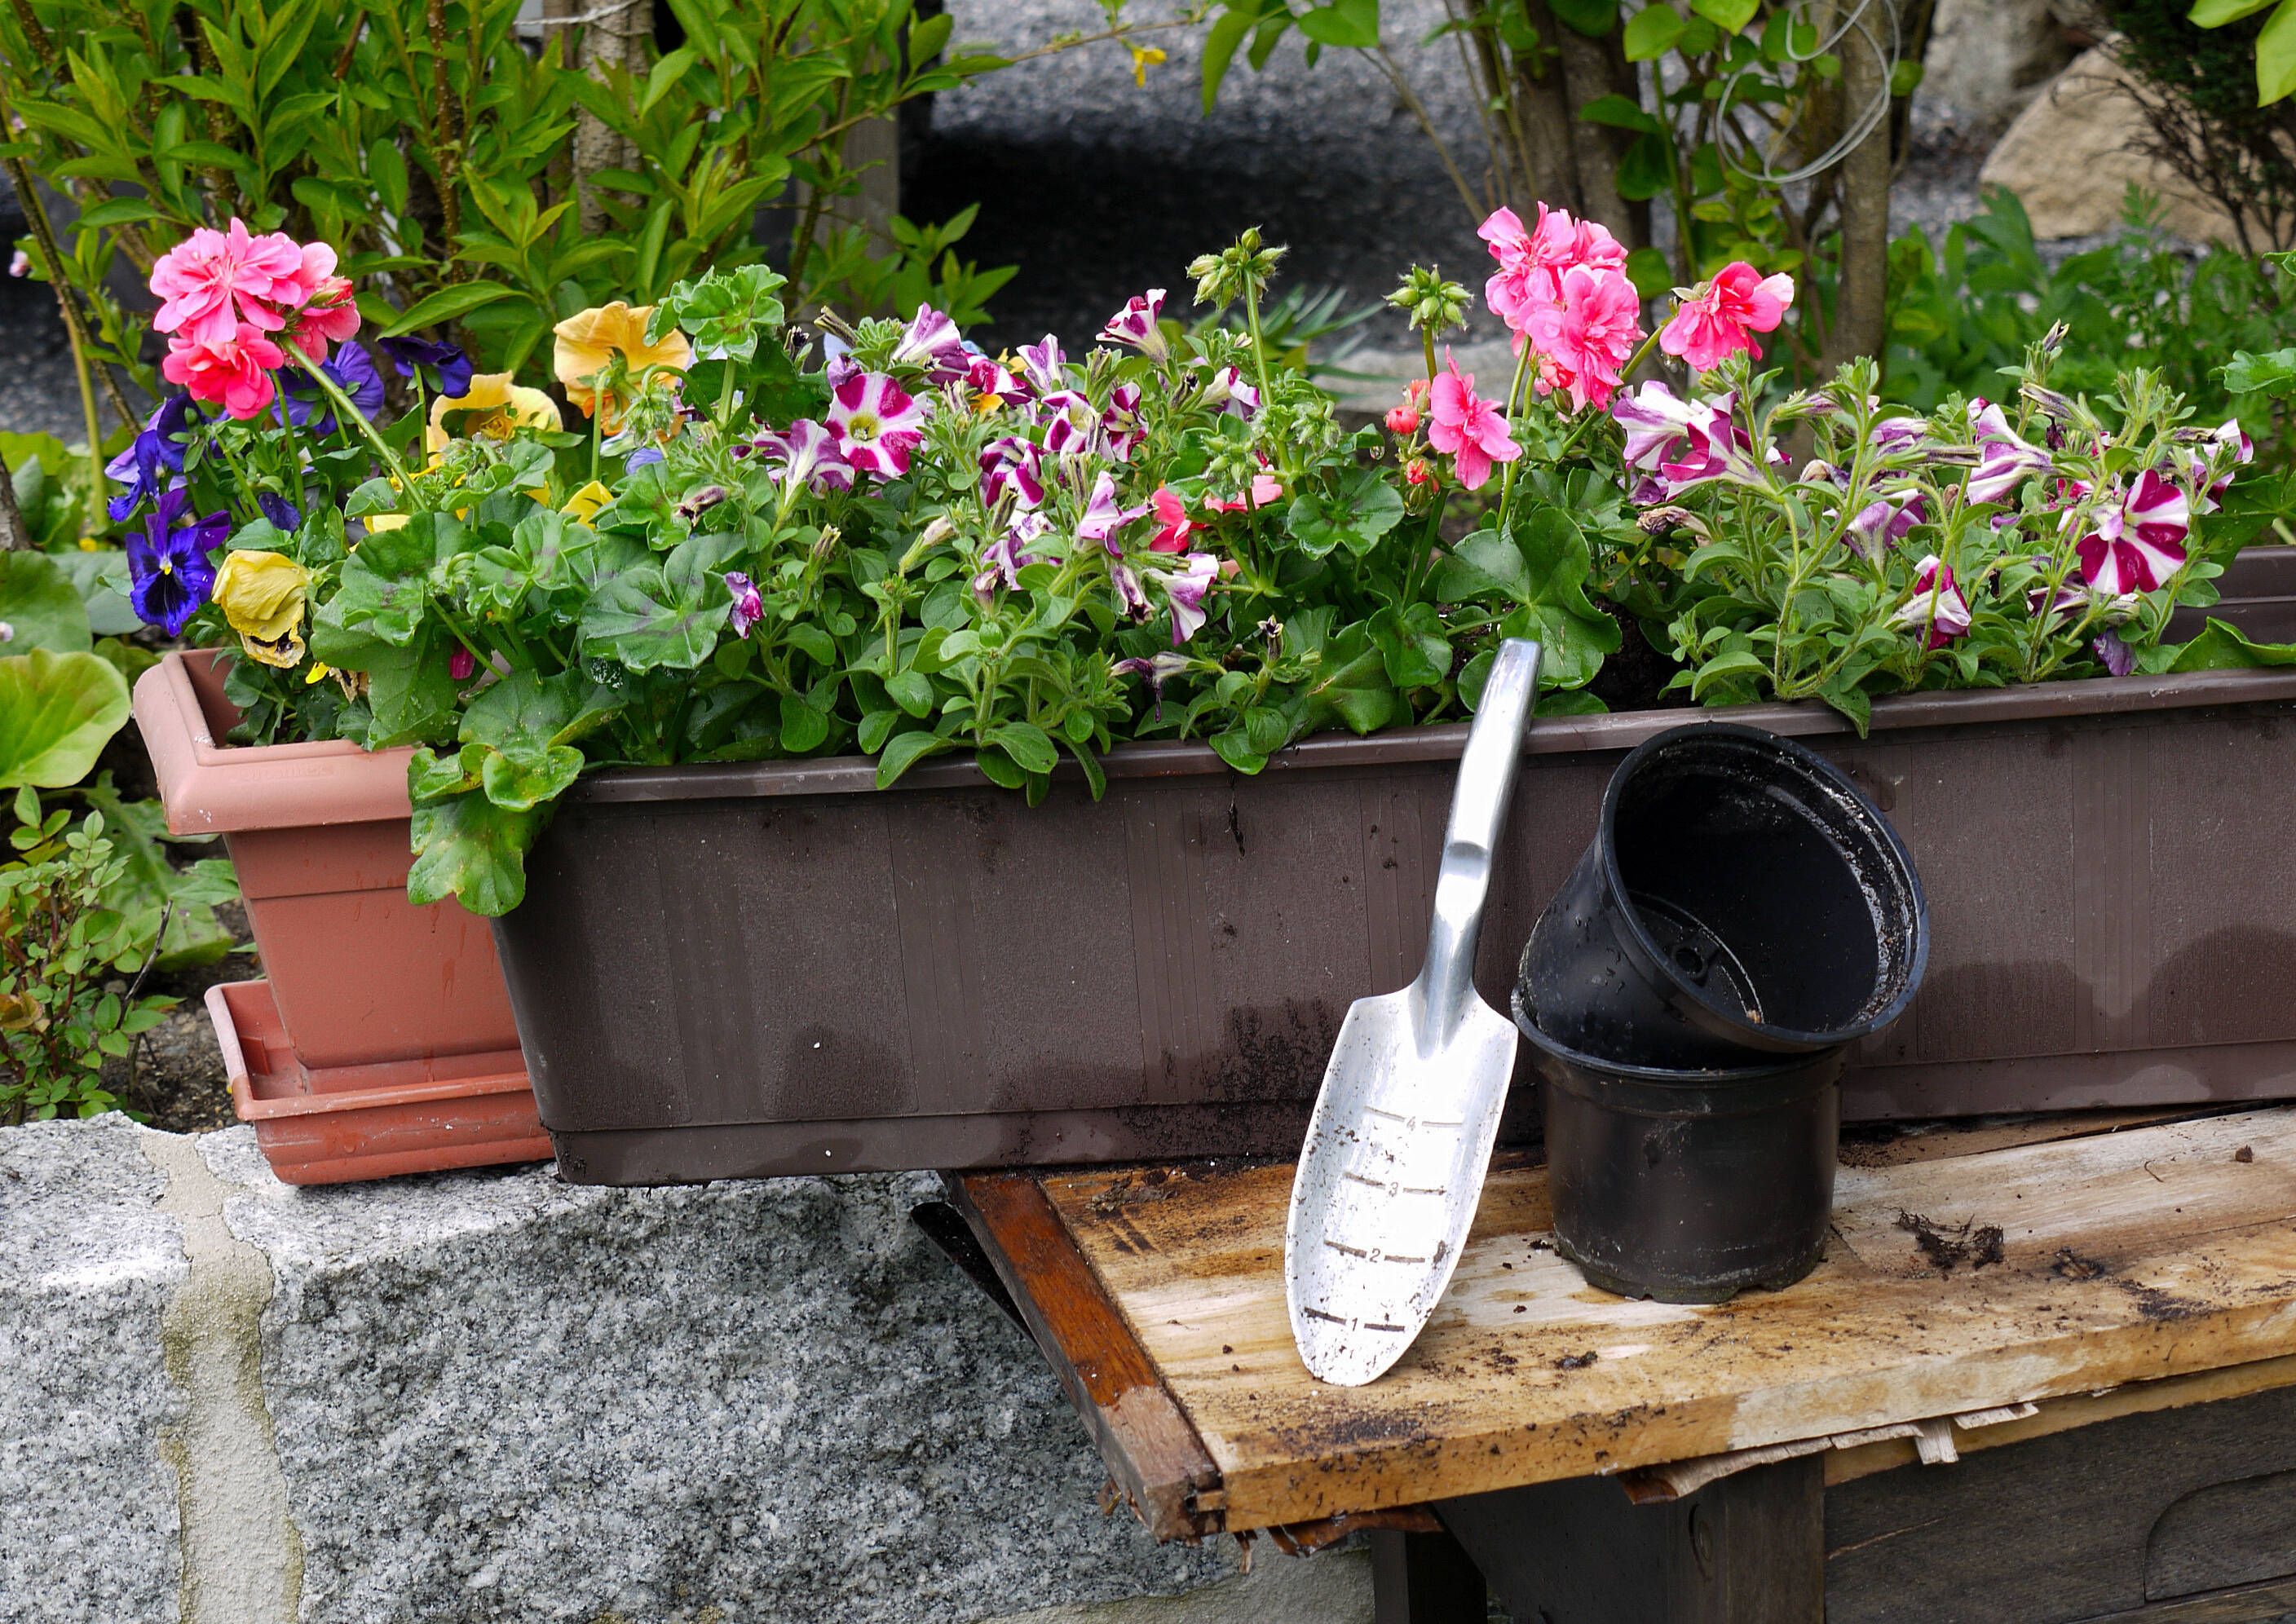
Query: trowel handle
1479	808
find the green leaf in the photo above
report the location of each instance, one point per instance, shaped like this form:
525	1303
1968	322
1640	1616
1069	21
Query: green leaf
2276	55
1591	18
1220	42
654	616
1412	645
468	849
2216	14
1647	169
1028	744
1737	663
1620	112
2221	647
904	752
912	691
1729	15
2246	374
1648	270
100	576
520	776
804	729
1651	32
41	605
448	304
1350	24
57	712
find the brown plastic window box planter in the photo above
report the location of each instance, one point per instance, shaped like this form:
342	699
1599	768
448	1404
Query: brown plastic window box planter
360	981
733	971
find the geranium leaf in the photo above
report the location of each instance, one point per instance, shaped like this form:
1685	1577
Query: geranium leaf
57	712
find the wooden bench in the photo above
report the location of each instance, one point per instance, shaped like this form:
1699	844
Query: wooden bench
2046	1371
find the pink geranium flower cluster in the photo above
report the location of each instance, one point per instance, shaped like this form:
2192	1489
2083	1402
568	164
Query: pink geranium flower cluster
236	308
1561	288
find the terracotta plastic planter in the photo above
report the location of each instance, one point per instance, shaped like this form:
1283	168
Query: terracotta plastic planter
355	1122
773	968
358	976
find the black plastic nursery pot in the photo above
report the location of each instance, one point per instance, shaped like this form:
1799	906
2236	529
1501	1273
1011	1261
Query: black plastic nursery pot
1741	899
1689	1185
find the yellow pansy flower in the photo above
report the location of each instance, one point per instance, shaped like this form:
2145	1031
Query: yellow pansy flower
588	343
261	594
493	407
583	504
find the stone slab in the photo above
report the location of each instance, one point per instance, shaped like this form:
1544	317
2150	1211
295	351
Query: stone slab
87	1265
496	1396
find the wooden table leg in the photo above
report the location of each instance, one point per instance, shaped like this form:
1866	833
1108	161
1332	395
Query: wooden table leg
1746	1549
1423	1579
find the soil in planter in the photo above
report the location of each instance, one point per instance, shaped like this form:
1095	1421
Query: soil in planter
1632	677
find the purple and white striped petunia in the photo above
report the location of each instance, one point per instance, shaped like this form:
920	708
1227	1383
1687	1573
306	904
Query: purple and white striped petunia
1895	436
2223	452
1137	325
1681	443
1236	398
1013	463
2139	540
1071	426
1937	608
2004	461
1159	669
1131	596
1004	559
807	454
1885	521
931	343
1185	589
1120	426
877	424
1102	518
1045	367
749	608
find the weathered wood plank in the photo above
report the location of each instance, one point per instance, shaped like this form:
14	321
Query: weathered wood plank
2146	1510
2123	1256
1153	1453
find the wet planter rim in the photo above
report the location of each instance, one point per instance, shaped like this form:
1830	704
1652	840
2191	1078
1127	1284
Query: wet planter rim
1619	731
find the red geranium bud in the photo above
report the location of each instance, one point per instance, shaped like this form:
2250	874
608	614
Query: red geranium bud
462	665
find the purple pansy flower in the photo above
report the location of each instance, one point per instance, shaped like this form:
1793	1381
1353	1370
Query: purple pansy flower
153	458
351	369
1102	518
748	608
2111	648
877	423
168	573
284	514
805	452
1185	589
2139	540
1015	464
1137	324
442	365
931	343
1937	608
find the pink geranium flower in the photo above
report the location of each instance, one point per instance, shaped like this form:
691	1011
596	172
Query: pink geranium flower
1266	487
1467	426
876	422
214	283
1718	319
1533	261
234	373
1587	335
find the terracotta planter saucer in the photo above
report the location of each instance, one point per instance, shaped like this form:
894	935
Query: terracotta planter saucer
333	1125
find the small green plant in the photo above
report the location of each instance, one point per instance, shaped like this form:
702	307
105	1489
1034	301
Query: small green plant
71	966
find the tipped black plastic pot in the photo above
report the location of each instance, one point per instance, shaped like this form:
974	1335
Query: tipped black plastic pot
1740	900
1689	1186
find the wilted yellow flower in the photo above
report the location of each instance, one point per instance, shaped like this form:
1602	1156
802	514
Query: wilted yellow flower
261	594
583	504
589	341
1145	57
493	407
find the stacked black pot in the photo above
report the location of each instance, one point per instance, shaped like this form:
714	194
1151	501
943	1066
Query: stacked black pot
1744	915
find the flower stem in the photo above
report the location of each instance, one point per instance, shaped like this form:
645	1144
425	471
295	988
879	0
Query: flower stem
1514	393
342	404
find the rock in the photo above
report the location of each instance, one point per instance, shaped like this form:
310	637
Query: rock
1988	59
2072	154
87	1266
1332	1588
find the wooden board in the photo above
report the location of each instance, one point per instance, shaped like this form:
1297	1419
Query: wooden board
2124	1257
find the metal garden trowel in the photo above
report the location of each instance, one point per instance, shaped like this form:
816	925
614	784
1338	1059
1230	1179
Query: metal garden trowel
1402	1134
